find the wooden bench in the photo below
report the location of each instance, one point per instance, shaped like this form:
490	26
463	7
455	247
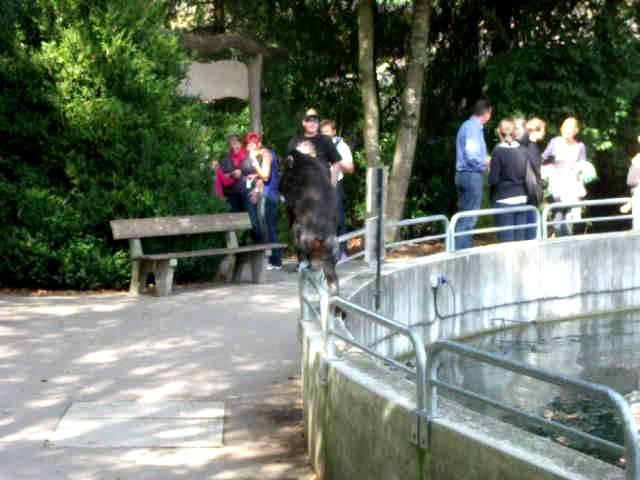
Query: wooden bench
162	265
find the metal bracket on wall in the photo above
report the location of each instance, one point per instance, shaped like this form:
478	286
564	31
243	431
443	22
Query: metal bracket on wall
420	430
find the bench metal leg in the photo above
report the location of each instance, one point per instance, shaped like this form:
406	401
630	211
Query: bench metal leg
258	266
164	276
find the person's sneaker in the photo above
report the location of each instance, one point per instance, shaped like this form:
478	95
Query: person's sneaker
274	267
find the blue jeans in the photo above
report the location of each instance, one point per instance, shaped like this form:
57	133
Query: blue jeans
531	233
239	202
271	206
469	186
511	218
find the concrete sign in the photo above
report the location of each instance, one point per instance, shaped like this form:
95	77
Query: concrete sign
214	80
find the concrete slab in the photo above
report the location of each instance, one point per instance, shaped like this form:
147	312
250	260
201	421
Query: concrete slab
140	425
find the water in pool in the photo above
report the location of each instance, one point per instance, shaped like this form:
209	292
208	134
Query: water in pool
604	350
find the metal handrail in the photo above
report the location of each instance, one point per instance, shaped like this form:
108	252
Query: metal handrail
451	244
420	434
329	334
631	449
418	221
348	236
546	223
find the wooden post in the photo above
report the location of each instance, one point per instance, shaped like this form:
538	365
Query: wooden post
138	276
255	87
228	264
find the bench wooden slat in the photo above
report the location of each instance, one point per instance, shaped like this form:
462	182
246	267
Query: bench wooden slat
212	251
188	225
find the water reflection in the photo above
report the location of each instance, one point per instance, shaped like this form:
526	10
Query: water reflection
602	350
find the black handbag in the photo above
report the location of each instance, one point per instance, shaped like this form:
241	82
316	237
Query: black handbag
532	185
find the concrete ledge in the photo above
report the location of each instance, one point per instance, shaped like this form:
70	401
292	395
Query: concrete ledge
359	424
359	421
523	281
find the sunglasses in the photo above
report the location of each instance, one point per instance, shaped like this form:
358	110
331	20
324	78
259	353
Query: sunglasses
311	118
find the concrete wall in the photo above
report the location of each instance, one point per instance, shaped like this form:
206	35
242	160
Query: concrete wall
358	423
524	281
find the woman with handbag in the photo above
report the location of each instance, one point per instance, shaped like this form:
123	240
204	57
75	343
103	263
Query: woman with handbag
262	163
528	134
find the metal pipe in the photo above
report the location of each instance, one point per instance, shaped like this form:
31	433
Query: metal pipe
451	246
418	221
583	203
373	353
379	235
632	448
416	240
416	342
573	433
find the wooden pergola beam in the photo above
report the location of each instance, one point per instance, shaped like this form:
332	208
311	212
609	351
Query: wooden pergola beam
207	44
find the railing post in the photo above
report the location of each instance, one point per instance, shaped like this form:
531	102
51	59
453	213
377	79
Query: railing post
431	400
451	230
302	292
376	187
538	225
635	210
544	226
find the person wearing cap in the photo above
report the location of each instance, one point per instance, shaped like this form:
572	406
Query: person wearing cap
328	128
319	149
325	150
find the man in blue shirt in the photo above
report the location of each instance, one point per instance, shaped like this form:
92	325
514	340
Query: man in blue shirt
471	164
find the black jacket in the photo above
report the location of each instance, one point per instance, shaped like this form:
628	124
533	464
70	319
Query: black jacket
507	171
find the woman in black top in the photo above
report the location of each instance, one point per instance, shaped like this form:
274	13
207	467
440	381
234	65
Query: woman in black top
529	135
506	181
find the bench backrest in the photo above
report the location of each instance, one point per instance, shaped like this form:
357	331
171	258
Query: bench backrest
169	226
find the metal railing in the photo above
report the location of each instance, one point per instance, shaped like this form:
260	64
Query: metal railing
630	450
418	221
330	334
349	236
546	223
451	239
541	225
426	377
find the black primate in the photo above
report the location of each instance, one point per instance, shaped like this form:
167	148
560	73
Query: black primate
310	200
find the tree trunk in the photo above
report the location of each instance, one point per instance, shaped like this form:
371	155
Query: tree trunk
368	85
410	116
366	64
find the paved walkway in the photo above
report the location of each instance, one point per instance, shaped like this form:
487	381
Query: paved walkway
231	343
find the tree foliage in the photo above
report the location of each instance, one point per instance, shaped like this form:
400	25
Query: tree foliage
92	128
95	131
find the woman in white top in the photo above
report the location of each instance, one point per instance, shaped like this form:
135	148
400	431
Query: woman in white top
566	152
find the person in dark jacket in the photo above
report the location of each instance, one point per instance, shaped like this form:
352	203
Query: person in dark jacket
506	180
528	133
